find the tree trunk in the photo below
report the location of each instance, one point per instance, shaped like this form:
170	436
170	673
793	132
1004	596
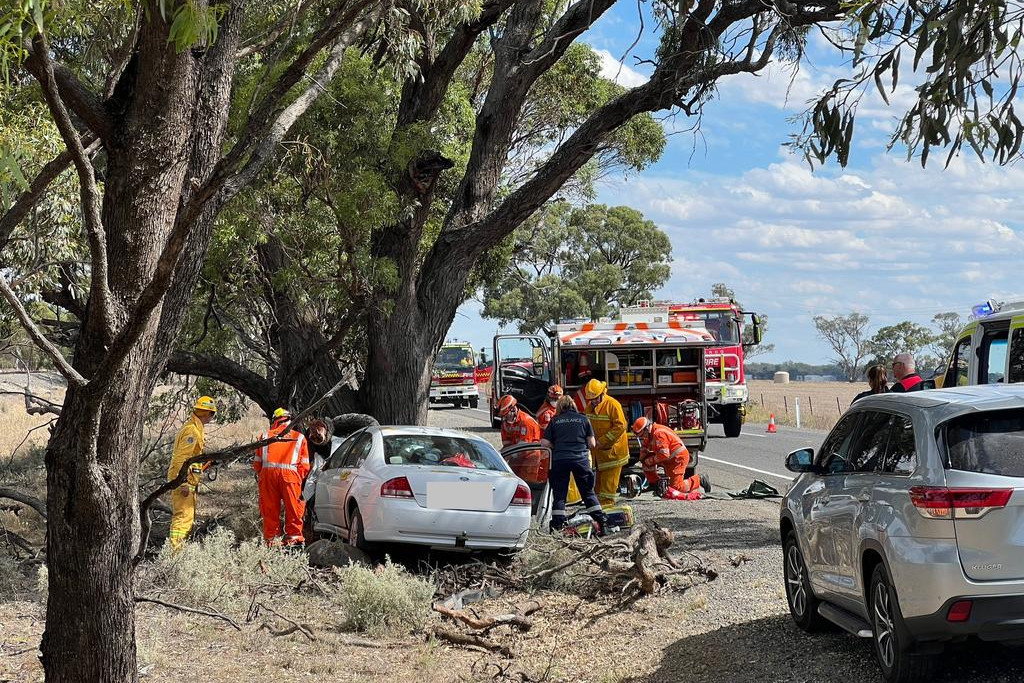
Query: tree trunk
396	388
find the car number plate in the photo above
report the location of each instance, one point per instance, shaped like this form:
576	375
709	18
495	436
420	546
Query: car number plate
459	495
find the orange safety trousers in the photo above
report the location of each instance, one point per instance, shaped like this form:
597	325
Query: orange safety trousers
666	449
277	487
281	467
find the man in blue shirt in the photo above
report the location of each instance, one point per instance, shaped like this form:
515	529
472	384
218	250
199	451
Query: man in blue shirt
570	438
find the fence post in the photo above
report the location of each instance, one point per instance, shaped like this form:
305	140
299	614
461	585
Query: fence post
785	404
810	404
839	407
796	405
762	400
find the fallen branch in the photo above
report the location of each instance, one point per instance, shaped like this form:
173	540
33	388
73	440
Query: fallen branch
190	610
471	640
295	626
520	619
21	497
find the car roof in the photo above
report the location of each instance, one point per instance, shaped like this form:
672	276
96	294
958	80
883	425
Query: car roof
942	404
413	430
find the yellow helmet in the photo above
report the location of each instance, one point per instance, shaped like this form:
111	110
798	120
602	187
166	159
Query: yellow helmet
205	403
594	389
282	412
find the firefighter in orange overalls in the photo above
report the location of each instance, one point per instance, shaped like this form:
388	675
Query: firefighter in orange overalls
281	467
659	445
547	411
518	427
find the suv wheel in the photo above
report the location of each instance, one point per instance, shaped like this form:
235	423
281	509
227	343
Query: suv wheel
803	606
893	648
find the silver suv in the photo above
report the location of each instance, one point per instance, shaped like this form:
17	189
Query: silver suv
907	526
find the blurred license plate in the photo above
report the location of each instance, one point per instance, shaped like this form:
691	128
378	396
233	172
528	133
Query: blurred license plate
459	495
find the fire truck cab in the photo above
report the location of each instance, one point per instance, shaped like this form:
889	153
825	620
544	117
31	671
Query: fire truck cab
453	379
654	366
726	389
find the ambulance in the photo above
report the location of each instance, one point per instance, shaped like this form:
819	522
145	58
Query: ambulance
990	349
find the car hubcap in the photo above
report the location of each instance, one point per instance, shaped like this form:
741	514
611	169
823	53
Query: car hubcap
795	581
883	626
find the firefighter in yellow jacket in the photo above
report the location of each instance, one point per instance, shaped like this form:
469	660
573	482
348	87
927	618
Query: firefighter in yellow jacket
611	432
187	444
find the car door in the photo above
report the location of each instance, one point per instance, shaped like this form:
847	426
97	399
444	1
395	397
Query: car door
849	506
523	369
819	553
328	485
350	472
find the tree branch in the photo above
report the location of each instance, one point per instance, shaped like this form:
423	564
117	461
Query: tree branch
30	197
225	370
40	340
190	610
284	25
82	101
100	298
33	502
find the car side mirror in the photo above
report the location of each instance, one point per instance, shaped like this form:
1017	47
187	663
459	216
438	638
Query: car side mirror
801	460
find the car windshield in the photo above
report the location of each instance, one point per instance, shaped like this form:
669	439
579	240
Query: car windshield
453	358
990	442
448	451
721	325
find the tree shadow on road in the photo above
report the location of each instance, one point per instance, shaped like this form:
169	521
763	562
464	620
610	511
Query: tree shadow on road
774	649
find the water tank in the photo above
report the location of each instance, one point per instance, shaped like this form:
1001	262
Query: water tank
782	377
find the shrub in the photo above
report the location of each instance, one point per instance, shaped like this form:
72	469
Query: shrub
218	571
14	585
384	599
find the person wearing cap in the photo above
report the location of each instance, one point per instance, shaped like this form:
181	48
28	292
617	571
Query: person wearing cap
661	447
611	432
547	411
281	467
187	444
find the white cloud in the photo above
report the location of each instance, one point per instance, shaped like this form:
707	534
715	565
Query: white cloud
893	240
618	72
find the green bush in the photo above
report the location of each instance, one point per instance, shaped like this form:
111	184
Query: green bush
217	571
384	599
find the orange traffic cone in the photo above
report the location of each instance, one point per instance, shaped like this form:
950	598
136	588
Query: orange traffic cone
771	424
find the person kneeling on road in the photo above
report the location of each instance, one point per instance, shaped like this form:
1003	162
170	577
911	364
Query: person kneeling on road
570	438
659	445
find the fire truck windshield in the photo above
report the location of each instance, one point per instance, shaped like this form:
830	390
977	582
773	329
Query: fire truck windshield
454	358
722	326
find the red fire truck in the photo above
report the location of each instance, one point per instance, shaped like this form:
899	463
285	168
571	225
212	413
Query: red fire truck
726	387
653	365
454	375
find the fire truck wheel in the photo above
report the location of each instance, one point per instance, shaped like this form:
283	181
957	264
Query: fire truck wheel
732	421
474	403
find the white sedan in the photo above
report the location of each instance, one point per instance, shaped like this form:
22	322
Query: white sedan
432	487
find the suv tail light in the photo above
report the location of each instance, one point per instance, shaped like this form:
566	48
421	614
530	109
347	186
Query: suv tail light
396	488
522	496
939	502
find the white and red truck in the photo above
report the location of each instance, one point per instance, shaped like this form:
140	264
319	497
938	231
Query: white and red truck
726	387
454	377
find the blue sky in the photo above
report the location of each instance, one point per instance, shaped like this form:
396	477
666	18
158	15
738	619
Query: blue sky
883	237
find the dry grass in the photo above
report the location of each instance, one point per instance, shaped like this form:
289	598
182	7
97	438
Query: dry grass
821	403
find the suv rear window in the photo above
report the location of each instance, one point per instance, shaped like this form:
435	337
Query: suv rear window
990	442
434	450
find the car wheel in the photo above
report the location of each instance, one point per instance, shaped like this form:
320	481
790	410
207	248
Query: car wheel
356	537
803	605
732	421
893	647
309	520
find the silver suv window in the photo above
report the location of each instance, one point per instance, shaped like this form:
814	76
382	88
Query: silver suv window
989	442
832	456
901	456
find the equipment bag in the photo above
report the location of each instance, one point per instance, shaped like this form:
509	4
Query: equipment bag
757	489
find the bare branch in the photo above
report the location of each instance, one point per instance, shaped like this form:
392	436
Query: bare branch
24	498
65	369
100	298
285	24
82	101
225	370
190	610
